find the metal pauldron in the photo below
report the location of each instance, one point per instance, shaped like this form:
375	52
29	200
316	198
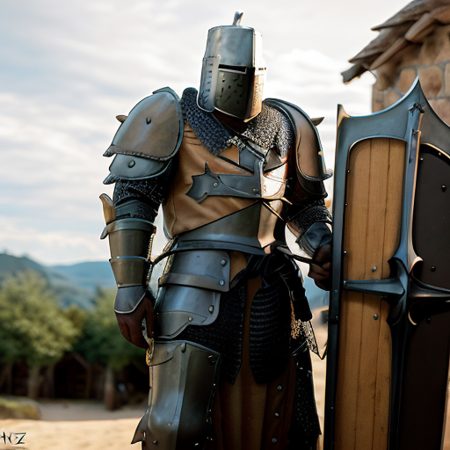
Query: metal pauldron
190	290
183	383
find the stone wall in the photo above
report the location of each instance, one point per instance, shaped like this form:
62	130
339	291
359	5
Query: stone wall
430	60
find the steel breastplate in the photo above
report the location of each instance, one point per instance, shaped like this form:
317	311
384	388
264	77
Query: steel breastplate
252	228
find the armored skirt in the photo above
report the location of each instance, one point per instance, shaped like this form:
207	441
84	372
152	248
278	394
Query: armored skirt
265	398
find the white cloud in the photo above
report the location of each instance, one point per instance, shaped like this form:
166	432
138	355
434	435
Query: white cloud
70	67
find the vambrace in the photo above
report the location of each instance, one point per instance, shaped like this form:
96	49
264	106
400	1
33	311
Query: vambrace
130	230
309	224
129	241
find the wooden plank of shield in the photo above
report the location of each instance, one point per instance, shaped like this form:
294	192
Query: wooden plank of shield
371	236
389	316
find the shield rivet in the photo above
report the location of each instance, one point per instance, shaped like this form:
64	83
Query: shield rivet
279	388
221	282
190	318
374	268
255	191
428	319
444	188
274	440
277	414
132	163
375	317
211	309
216	184
223	262
148	120
155	442
183	347
433	268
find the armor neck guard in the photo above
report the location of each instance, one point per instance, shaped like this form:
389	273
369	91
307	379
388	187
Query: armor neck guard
269	129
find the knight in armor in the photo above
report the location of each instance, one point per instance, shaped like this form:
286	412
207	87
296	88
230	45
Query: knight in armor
228	336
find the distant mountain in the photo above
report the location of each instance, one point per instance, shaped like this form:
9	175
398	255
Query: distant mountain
73	284
88	275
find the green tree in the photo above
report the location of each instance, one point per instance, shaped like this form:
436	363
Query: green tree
103	343
34	329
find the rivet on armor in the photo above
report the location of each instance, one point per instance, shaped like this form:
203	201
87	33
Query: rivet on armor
132	163
348	171
420	159
375	316
255	190
346	204
148	120
374	268
211	309
222	282
212	359
155	442
216	184
169	424
444	188
439	154
279	388
274	441
190	318
144	435
223	262
183	347
277	414
433	268
428	319
345	252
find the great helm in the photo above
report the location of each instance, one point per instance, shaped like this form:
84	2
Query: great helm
233	71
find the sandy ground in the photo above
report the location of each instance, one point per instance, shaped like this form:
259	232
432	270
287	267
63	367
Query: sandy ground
82	425
88	426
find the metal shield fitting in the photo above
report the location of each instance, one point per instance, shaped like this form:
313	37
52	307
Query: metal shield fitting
183	384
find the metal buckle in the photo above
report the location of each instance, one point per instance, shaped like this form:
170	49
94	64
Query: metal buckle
151	344
150	351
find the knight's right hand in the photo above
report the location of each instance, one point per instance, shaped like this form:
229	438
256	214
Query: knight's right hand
132	305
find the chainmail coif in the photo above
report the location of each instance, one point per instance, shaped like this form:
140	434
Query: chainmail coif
269	129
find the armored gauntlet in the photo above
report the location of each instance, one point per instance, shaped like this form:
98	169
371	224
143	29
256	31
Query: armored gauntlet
130	244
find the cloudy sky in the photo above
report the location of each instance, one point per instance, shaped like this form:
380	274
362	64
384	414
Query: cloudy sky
68	68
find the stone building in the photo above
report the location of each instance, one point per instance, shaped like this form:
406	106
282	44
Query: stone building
415	41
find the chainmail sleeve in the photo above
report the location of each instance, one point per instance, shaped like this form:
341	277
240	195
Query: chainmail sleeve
139	198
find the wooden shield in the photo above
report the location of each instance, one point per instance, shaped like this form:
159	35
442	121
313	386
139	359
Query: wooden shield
389	316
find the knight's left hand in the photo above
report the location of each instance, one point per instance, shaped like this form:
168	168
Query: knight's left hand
321	274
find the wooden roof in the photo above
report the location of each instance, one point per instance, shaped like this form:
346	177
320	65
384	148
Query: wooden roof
409	26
